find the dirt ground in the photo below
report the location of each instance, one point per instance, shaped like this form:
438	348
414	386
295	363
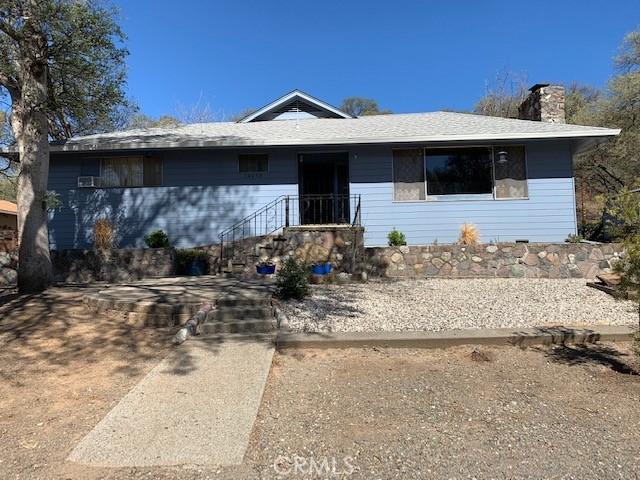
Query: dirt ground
503	412
61	371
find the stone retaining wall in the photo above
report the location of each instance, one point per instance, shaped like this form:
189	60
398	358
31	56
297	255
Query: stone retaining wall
515	260
120	265
8	268
8	256
342	246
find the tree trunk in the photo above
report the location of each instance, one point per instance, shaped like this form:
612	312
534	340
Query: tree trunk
29	123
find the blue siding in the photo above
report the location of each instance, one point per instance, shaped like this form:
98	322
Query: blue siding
548	215
203	193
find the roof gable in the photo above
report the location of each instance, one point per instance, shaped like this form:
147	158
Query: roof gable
295	105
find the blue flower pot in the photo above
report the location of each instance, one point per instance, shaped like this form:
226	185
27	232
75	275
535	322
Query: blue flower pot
321	268
266	269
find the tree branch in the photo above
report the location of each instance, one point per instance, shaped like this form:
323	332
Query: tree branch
11	32
11	85
605	170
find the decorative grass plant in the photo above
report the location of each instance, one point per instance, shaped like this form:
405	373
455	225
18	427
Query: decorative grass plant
103	234
469	234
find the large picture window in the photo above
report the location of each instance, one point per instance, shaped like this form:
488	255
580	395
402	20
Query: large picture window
130	172
463	173
459	171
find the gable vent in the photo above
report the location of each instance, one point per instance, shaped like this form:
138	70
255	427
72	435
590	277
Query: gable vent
296	105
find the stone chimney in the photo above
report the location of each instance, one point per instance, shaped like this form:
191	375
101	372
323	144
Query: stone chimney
545	103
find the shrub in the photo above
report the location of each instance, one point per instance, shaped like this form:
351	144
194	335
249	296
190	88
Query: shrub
292	281
396	238
157	239
572	238
626	208
469	234
103	234
186	256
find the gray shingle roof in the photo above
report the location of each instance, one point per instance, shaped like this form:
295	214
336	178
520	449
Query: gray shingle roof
398	128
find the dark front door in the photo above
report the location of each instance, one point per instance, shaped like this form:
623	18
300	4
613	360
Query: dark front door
324	188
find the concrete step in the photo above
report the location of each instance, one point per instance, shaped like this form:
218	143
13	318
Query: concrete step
244	301
244	326
240	313
218	338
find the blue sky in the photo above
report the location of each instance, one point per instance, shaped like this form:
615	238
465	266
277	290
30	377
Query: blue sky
409	55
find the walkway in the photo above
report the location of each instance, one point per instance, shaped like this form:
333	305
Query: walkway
197	406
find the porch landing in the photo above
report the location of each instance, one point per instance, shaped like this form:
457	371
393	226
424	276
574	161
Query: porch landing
172	301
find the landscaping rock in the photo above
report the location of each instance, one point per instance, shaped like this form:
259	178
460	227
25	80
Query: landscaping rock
442	304
505	260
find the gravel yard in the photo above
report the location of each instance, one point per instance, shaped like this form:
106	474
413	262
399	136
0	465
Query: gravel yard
441	304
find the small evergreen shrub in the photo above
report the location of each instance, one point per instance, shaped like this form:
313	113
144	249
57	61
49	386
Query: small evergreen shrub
185	258
396	238
292	281
157	239
572	238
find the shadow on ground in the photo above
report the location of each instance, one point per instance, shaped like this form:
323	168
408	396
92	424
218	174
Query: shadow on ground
592	354
52	331
325	304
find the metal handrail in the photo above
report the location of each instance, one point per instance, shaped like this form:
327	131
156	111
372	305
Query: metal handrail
282	212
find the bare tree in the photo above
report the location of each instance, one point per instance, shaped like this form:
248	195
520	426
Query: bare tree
240	115
198	112
503	95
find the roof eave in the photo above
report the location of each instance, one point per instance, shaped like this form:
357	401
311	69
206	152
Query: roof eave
112	146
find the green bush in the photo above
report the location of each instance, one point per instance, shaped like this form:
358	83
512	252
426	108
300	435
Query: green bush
572	238
157	239
292	281
626	209
185	256
396	238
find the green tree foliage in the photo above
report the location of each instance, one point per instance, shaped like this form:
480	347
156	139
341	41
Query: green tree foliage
607	168
361	106
85	61
8	180
625	210
8	188
62	67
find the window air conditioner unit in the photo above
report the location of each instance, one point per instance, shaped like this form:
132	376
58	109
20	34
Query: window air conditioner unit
88	182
